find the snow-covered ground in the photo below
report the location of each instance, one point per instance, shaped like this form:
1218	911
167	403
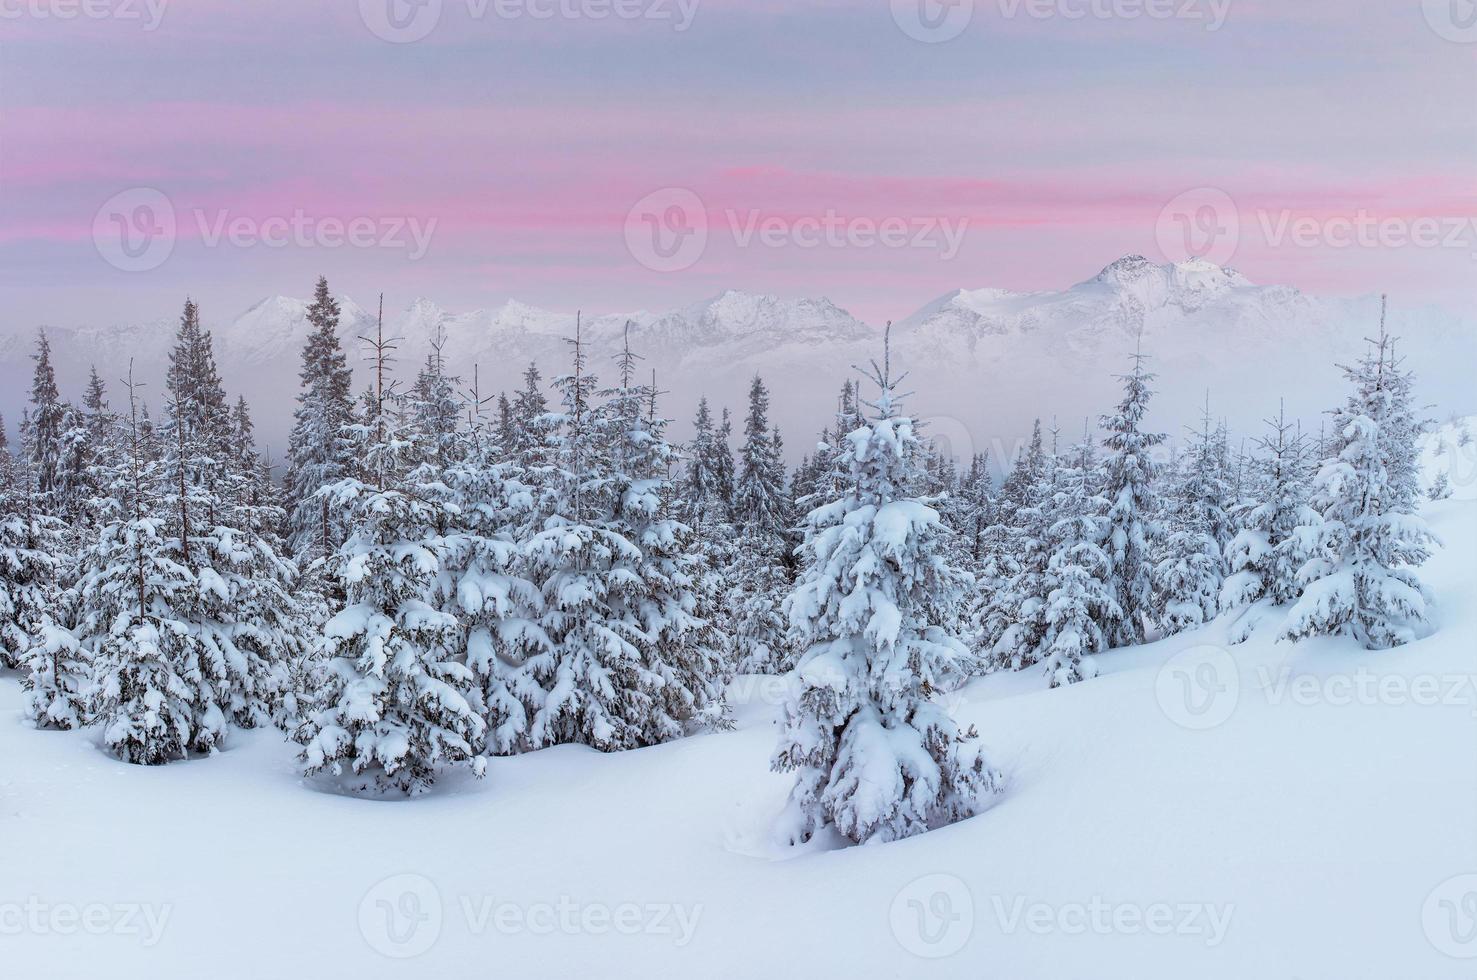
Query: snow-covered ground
1199	810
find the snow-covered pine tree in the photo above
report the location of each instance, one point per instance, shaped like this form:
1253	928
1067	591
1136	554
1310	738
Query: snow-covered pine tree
1362	581
1441	487
319	449
1012	623
760	577
1190	566
398	704
142	695
1079	599
1129	489
484	586
1265	557
875	756
43	428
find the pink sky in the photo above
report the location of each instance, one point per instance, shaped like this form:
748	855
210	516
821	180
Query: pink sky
1047	145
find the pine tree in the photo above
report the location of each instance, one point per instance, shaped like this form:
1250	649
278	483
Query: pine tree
1362	582
398	703
1129	489
1079	599
1012	624
1191	567
760	580
44	426
319	450
1265	557
143	694
875	757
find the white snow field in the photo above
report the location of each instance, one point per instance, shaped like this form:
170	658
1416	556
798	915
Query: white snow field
1199	810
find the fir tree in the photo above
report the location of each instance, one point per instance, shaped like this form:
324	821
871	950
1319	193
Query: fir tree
1191	567
398	702
875	757
1266	556
1362	582
319	452
44	425
1129	489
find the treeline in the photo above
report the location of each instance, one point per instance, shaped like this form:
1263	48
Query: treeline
442	575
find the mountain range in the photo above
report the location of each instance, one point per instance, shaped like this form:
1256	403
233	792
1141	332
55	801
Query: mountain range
982	362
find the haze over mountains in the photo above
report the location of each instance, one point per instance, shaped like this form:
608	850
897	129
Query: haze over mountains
983	362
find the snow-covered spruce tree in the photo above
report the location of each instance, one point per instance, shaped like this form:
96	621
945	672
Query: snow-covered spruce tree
43	427
1441	487
483	585
240	624
33	565
1190	566
701	481
142	695
397	703
1266	556
1128	485
631	660
32	549
1012	624
875	756
760	573
1361	582
1079	599
319	451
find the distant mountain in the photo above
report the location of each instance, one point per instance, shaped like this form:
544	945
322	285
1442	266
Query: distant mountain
983	362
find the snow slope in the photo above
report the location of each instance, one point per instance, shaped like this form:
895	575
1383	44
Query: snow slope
1318	800
984	361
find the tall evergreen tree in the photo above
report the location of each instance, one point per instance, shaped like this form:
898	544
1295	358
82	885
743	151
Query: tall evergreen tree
1129	489
1362	581
43	429
875	757
319	451
1266	556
